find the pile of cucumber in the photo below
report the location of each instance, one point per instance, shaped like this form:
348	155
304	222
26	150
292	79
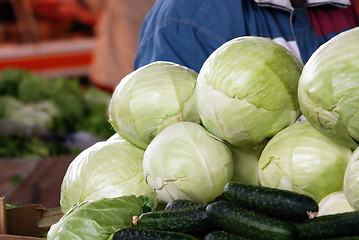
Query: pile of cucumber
243	212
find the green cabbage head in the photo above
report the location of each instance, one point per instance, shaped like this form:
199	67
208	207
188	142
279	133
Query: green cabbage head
247	90
151	98
106	169
351	180
185	161
334	203
245	164
302	159
328	88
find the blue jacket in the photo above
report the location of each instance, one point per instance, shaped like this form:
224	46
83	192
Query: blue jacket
188	31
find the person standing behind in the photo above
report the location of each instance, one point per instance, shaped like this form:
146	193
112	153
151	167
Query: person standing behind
188	31
116	36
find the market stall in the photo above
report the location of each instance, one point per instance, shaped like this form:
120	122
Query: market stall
256	145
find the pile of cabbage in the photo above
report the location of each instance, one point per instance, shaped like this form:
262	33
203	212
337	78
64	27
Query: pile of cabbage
253	114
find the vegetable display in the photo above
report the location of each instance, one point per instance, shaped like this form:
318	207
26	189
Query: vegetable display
222	154
247	90
328	88
150	99
245	164
232	218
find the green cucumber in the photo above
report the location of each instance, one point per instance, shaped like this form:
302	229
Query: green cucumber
329	226
274	202
144	234
247	223
222	235
187	220
344	238
182	203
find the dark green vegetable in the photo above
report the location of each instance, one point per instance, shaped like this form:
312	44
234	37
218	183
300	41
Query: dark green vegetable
187	220
222	235
50	110
329	226
182	203
278	203
9	81
247	223
145	234
21	146
344	238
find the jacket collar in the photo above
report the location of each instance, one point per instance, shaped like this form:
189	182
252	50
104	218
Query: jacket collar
285	4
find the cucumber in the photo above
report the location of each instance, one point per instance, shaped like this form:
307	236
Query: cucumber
344	238
144	234
247	223
182	203
275	202
329	226
222	235
187	220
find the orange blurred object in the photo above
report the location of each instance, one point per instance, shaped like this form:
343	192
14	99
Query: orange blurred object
63	11
69	57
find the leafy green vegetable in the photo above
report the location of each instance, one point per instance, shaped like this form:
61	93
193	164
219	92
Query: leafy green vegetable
67	95
97	219
328	88
247	90
32	106
333	203
96	104
185	161
41	114
9	81
301	159
22	146
106	169
151	98
351	180
245	164
32	88
8	104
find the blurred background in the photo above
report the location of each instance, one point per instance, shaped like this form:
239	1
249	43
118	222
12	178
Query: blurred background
60	60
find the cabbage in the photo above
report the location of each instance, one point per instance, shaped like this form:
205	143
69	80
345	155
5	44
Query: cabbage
245	164
115	136
96	219
151	98
184	161
351	180
334	203
106	169
301	159
247	90
328	88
